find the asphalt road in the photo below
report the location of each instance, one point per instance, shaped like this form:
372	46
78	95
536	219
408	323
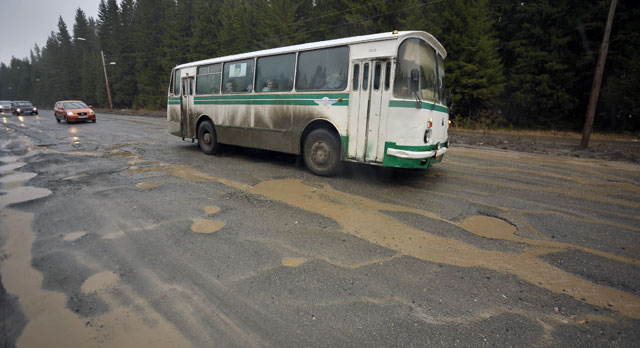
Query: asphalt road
117	234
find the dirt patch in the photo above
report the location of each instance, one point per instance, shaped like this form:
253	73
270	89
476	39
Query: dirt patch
606	147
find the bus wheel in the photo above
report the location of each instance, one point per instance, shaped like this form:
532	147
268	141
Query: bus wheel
207	141
322	152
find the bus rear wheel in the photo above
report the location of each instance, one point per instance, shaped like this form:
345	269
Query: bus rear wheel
207	141
322	152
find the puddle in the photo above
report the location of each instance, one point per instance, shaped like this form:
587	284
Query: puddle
365	219
9	159
11	181
11	166
74	177
22	194
206	226
114	235
74	236
211	209
362	218
99	281
490	227
52	324
147	185
293	261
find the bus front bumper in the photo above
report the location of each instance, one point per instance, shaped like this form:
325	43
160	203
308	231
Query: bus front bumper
413	157
405	154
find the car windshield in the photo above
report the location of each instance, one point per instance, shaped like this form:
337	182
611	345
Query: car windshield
75	105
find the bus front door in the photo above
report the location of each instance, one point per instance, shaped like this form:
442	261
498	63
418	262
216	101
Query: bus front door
368	105
186	107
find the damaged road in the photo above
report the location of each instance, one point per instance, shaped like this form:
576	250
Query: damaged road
117	234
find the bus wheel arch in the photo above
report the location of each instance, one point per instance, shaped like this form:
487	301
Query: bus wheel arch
321	148
207	137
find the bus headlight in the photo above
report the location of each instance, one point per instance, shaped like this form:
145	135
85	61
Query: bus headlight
427	136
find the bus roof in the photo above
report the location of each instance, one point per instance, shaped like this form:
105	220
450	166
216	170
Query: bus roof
321	44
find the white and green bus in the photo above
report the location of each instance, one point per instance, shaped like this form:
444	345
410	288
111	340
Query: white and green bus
378	99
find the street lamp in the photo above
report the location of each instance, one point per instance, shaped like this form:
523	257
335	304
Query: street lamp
106	79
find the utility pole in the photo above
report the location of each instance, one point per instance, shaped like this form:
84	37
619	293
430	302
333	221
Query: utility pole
597	80
106	80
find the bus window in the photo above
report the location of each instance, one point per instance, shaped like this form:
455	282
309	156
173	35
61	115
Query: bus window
176	83
238	76
441	85
324	69
356	76
387	76
415	54
275	74
376	76
208	79
365	77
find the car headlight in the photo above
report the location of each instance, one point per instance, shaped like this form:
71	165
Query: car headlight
35	108
69	113
91	112
18	110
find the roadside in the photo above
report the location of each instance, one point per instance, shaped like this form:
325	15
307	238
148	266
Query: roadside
606	147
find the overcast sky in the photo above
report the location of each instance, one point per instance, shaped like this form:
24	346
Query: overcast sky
23	23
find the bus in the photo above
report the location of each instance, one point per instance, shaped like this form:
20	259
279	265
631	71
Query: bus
378	99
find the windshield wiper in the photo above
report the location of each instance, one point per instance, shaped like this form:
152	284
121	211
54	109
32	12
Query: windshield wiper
418	100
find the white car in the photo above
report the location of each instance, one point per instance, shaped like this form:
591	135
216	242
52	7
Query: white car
5	106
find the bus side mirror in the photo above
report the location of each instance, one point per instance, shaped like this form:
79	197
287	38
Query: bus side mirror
415	80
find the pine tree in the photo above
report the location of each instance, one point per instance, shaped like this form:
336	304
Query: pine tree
474	69
541	78
123	73
151	77
65	59
236	31
279	23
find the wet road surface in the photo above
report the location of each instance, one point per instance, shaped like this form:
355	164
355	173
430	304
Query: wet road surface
117	234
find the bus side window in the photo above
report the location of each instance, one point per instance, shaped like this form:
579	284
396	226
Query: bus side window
176	83
275	73
324	69
238	76
208	79
356	76
387	75
365	77
376	76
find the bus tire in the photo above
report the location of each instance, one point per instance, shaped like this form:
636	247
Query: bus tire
321	152
207	140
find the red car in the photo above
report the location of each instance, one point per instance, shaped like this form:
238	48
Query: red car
73	111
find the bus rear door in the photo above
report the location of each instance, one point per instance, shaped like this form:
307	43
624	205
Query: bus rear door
186	107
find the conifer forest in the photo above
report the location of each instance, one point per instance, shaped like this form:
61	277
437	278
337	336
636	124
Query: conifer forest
524	63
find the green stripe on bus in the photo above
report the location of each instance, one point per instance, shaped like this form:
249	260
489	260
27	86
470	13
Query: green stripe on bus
412	104
265	102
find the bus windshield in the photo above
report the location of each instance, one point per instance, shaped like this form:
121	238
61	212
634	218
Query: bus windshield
416	54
